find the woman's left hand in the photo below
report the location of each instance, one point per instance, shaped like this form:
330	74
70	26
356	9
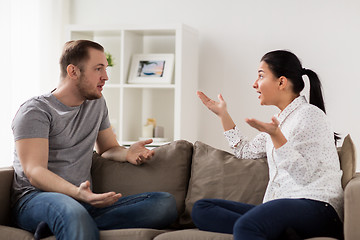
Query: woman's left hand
138	153
271	128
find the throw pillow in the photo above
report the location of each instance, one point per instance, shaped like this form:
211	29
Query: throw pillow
219	174
167	171
347	158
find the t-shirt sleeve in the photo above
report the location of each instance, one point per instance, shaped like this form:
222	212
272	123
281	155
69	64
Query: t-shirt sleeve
105	123
31	122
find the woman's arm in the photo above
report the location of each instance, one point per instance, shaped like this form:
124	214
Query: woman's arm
219	108
271	128
241	146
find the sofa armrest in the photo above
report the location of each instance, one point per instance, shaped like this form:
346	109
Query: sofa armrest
352	209
6	177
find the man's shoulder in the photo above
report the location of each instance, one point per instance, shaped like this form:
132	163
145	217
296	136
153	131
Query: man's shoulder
35	106
36	101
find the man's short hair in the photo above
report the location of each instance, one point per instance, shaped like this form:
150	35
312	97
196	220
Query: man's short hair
76	53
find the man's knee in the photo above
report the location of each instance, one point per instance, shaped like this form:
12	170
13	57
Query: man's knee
163	210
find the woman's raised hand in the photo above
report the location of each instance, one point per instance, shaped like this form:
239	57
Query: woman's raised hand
219	108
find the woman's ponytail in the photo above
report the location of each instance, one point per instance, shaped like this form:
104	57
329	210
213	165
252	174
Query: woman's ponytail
315	97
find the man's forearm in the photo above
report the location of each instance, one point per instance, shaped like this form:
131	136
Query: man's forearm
48	181
117	153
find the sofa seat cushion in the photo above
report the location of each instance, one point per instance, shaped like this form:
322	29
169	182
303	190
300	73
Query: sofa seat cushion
132	233
193	234
218	174
167	171
10	233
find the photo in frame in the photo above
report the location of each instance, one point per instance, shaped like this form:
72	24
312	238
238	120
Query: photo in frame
151	69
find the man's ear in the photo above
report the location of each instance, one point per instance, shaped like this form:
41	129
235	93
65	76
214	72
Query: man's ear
73	71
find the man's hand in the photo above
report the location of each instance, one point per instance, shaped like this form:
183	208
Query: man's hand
138	154
97	200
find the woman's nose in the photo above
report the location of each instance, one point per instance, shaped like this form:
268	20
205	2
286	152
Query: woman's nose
255	85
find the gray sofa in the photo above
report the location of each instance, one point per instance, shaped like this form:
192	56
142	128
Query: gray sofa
190	172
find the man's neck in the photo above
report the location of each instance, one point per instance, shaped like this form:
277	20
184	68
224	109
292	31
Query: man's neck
68	95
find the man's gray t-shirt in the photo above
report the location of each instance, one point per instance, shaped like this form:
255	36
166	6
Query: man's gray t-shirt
71	131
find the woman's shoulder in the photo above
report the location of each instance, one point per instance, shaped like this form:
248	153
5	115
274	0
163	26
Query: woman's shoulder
309	115
309	110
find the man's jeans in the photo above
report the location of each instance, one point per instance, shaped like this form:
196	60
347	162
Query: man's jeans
270	220
70	219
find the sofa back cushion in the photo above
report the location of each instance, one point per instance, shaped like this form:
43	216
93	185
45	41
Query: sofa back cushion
347	157
167	171
219	174
6	178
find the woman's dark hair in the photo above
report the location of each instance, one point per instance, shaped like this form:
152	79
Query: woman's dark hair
287	64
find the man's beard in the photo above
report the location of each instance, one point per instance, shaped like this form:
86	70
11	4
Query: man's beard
84	89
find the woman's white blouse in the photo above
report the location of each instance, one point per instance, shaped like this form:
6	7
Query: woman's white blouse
307	166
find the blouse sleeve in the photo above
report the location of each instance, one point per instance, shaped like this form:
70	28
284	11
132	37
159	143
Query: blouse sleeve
243	148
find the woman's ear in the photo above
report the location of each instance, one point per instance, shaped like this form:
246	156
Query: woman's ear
283	82
73	71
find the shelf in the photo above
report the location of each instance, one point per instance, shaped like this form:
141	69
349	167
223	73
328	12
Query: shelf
165	86
154	86
153	144
174	106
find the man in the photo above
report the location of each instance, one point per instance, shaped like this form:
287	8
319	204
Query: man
55	135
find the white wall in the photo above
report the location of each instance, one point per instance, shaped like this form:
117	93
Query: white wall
234	35
31	38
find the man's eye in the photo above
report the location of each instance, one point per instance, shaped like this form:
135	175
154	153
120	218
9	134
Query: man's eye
98	69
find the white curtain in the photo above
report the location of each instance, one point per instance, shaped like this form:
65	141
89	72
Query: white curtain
32	32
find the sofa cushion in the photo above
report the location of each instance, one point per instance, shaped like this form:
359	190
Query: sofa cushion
167	171
6	178
347	158
11	233
193	234
219	174
131	233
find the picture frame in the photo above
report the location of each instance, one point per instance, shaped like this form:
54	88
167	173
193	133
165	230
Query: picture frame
151	69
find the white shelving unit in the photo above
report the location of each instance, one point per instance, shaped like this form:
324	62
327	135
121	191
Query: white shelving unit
174	105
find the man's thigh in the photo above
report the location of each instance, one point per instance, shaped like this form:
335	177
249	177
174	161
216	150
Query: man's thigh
44	207
148	210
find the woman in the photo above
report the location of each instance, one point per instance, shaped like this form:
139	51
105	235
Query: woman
304	192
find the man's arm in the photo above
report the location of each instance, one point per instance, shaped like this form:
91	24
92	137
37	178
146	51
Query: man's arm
108	147
33	154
